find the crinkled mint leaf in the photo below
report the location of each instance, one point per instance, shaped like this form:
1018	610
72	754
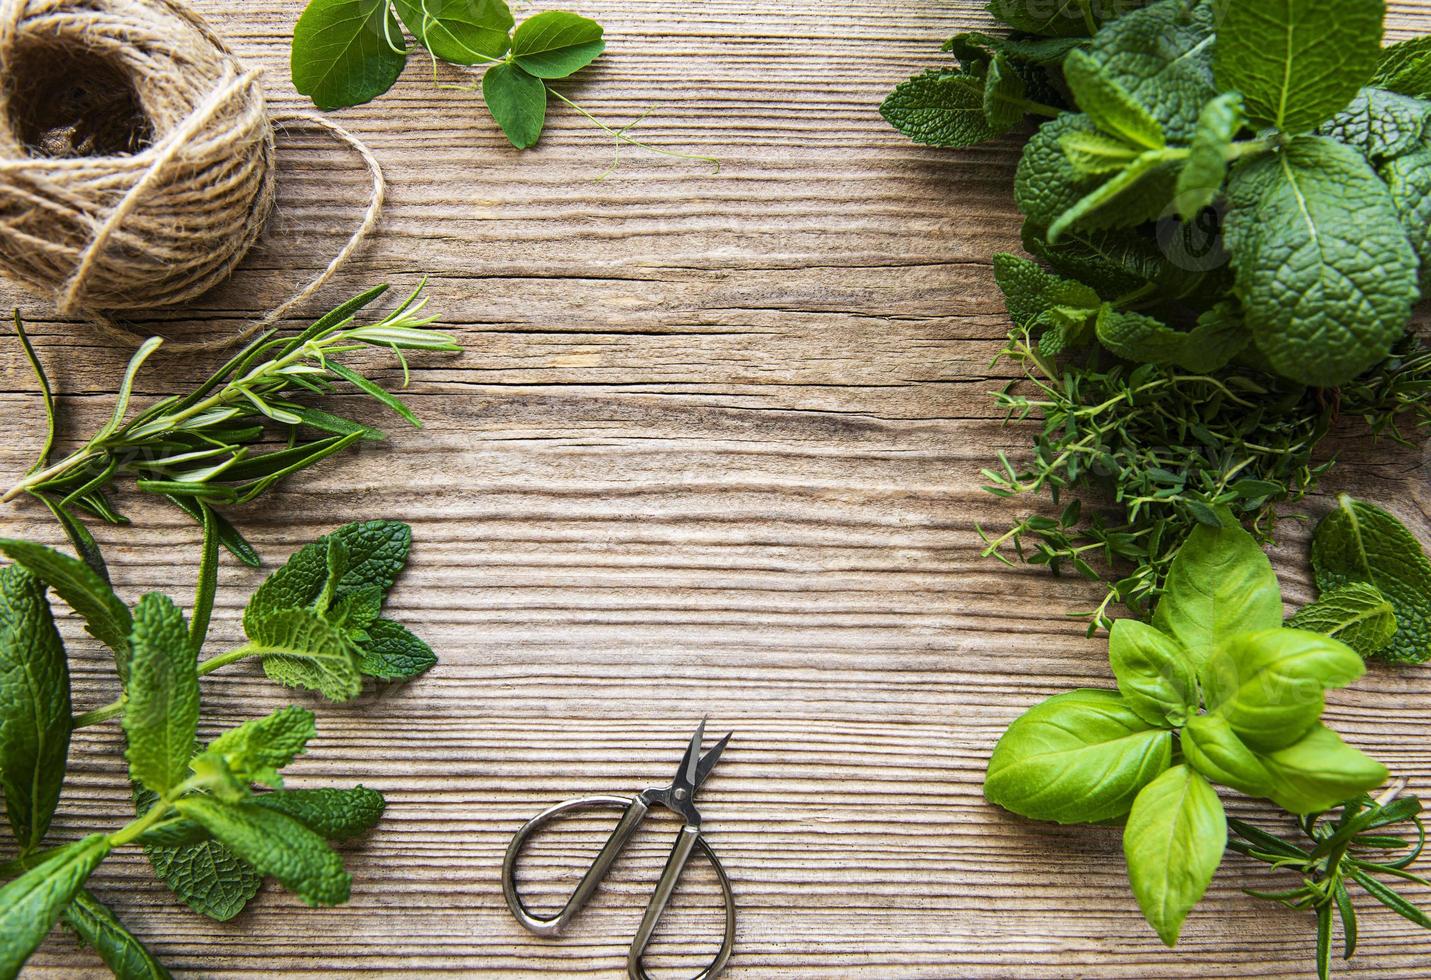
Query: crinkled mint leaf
1111	107
31	904
1297	62
1408	179
161	709
1381	124
207	877
1204	173
977	46
463	32
940	108
346	52
1119	261
1323	269
1219	337
376	552
1066	18
1047	187
300	648
391	652
256	750
1004	92
1359	542
1162	56
126	957
1356	613
335	814
1405	67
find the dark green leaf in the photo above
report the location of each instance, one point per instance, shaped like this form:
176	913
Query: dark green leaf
555	43
31	904
302	649
941	108
1408	179
1406	68
376	550
161	711
1381	124
1062	19
1356	613
518	101
105	616
207	877
335	814
464	32
1004	92
1392	900
1219	336
346	52
126	956
390	652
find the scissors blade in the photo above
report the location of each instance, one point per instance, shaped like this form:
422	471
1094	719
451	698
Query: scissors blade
709	760
686	771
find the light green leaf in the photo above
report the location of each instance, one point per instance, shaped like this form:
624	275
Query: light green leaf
161	711
1269	684
1297	62
391	652
1093	154
1173	842
1381	124
31	904
518	101
1204	173
1125	197
274	844
1212	748
1359	542
463	32
1219	584
1319	772
207	877
1405	67
1109	104
1408	179
255	751
126	957
555	43
1080	757
1153	673
105	616
34	706
941	108
346	52
376	554
302	649
1356	613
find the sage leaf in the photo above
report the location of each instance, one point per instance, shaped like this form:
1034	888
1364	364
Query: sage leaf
392	652
1356	613
346	52
1297	62
1359	542
1079	757
1109	104
1319	771
941	108
34	706
462	32
1219	584
1153	673
1201	179
518	101
555	43
31	904
302	649
207	877
1173	843
1212	748
105	616
161	711
1270	684
274	844
1405	67
126	957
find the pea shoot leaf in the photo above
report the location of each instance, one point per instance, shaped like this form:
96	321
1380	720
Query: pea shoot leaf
518	101
555	43
463	32
1356	613
346	52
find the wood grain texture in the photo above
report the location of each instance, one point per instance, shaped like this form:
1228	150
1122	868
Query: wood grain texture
712	449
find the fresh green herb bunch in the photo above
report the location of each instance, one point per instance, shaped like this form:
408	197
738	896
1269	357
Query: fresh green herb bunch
347	52
209	834
1216	690
1359	846
202	450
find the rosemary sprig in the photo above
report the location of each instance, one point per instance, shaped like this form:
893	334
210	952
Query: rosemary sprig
205	449
1354	847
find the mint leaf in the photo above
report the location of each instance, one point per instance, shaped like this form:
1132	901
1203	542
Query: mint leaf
105	616
1058	311
1092	154
126	957
1047	188
1032	50
1219	336
1381	124
31	904
1004	92
274	844
1205	171
1406	68
161	711
941	108
346	52
1359	542
1297	62
301	649
1111	107
1119	261
255	751
356	611
463	32
1356	613
207	877
1062	19
1173	843
518	101
376	552
334	814
555	43
390	652
34	706
1324	271
1408	180
1220	584
1135	194
1162	56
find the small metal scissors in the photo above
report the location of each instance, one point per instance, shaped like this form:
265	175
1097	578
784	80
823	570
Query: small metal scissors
679	798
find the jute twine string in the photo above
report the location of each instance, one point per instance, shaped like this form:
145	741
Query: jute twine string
171	212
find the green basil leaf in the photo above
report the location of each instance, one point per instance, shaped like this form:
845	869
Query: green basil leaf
105	616
391	652
1319	772
1297	62
274	844
518	101
1212	748
1219	584
161	711
941	108
1153	673
206	876
126	957
1109	104
1173	842
302	649
31	904
1356	614
1080	757
1269	684
346	52
1204	173
34	706
555	43
1359	542
255	751
463	32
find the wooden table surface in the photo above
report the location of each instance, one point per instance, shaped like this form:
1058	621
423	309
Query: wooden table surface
712	449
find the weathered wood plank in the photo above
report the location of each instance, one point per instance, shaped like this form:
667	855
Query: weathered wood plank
712	450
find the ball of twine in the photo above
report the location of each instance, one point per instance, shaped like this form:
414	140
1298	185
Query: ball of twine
137	160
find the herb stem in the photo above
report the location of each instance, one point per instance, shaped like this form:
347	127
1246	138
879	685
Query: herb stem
116	706
620	135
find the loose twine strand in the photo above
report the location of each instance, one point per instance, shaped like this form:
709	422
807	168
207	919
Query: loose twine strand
125	231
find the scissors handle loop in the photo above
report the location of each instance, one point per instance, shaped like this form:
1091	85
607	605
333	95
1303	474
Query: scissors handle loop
690	838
